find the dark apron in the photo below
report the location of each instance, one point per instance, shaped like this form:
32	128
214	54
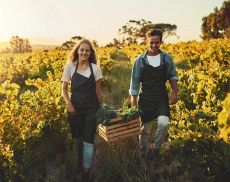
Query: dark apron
85	101
153	99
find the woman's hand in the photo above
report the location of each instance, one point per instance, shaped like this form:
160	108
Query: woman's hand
71	110
133	100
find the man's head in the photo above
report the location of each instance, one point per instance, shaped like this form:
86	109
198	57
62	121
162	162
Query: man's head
154	40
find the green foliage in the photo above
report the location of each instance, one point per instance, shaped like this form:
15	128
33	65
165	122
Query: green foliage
68	45
34	131
129	113
116	84
125	114
134	31
19	45
217	23
224	120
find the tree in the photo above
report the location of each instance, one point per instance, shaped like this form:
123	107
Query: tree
95	44
134	31
116	43
217	23
19	45
68	45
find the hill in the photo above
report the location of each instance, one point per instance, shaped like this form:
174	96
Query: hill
40	47
35	47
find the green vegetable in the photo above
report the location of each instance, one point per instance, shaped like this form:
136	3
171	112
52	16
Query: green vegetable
126	113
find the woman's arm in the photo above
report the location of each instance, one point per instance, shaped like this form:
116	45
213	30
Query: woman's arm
99	90
65	95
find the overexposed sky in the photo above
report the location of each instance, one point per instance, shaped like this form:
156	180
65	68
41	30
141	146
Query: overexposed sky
55	21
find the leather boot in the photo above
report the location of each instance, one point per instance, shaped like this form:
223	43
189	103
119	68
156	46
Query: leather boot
86	176
78	152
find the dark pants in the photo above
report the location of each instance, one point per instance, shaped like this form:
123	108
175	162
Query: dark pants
83	126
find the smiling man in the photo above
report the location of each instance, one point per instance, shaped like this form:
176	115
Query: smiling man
150	72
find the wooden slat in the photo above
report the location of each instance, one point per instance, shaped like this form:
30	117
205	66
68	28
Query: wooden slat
116	131
103	136
119	127
121	124
123	132
101	128
117	137
127	127
115	119
122	137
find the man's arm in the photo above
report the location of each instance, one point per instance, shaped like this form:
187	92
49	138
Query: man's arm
173	78
135	82
173	98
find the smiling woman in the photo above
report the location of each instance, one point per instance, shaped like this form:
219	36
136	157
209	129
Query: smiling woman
86	96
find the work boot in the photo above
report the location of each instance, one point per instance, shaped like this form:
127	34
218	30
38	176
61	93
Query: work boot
86	176
153	155
78	156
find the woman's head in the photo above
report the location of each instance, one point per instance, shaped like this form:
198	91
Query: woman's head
84	51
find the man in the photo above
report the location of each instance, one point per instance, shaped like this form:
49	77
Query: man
150	71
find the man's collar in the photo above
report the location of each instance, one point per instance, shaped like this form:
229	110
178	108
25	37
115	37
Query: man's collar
144	55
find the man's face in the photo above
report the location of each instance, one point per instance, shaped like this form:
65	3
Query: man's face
154	43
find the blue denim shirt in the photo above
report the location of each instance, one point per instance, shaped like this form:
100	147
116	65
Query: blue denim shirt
138	67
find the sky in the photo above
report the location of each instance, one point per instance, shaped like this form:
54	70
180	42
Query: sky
56	21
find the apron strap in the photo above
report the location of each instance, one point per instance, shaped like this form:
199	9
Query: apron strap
163	60
90	66
91	69
76	66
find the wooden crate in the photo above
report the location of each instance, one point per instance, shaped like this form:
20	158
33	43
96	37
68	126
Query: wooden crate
117	129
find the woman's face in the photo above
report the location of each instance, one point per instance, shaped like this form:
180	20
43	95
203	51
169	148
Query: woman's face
154	43
84	52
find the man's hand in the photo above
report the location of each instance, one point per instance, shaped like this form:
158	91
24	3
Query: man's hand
173	99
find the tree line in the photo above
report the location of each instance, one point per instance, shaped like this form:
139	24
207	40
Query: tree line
215	25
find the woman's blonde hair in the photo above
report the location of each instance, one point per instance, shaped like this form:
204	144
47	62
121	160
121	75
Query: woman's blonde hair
74	52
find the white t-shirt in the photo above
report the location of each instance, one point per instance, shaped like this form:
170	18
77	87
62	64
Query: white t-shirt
154	61
70	69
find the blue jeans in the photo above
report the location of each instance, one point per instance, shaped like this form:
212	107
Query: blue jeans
145	133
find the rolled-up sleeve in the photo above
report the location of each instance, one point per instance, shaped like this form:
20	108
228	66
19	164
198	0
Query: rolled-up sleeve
171	71
135	78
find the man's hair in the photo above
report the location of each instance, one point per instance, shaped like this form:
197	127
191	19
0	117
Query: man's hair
153	32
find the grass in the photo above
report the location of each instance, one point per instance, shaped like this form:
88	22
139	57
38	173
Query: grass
116	86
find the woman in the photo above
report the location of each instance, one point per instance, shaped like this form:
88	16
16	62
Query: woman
86	96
